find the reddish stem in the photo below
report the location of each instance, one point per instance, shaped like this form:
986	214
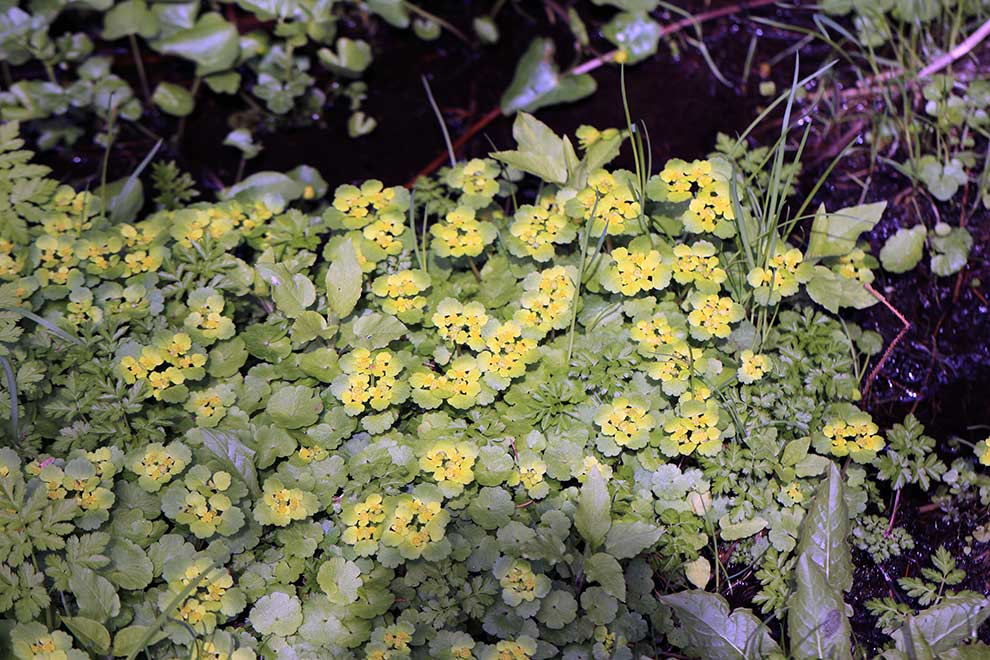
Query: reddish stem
890	349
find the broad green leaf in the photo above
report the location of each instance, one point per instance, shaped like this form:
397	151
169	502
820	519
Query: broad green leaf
942	179
91	634
340	580
277	614
557	609
242	140
538	82
351	58
635	33
606	571
96	597
294	407
263	184
904	249
129	17
213	44
130	567
948	624
628	539
173	99
816	619
825	529
698	572
225	82
372	331
344	279
393	11
128	640
835	234
593	516
232	454
491	508
709	631
832	291
951	251
539	150
294	295
732	531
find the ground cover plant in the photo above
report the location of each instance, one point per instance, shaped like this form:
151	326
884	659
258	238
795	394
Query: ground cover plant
533	407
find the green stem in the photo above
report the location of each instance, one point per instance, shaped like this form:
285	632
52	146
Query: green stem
439	21
182	121
139	62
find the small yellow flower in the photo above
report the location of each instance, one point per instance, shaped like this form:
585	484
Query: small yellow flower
752	367
713	315
460	323
631	272
627	421
693	427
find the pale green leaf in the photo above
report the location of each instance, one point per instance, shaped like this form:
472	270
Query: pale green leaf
344	279
709	631
606	571
835	234
904	249
593	516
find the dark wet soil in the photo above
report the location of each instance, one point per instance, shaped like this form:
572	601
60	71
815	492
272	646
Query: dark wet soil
940	370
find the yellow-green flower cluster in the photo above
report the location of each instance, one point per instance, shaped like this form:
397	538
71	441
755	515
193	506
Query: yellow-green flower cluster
460	385
710	209
854	266
535	229
210	405
477	181
530	475
33	641
364	524
413	525
223	222
400	293
369	380
461	324
88	480
156	464
661	334
698	264
450	464
752	366
205	502
636	269
213	600
518	581
170	360
521	648
547	298
461	234
627	420
507	353
206	322
280	506
391	642
713	315
589	135
694	426
354	208
684	180
610	197
851	433
781	276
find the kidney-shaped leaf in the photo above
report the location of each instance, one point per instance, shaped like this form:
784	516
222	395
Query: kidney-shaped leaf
213	44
